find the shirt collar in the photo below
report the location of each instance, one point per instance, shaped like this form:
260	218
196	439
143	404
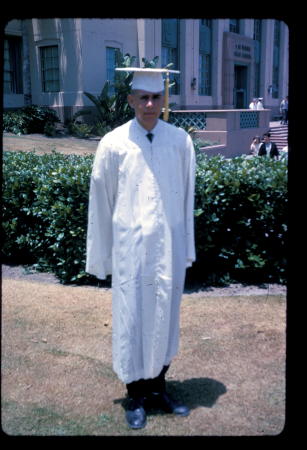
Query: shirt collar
142	129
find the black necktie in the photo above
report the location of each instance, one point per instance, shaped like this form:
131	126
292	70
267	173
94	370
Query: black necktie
150	136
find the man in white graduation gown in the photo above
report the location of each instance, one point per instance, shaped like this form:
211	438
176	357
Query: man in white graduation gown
141	230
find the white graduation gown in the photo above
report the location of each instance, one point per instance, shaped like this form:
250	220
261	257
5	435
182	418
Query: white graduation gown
141	230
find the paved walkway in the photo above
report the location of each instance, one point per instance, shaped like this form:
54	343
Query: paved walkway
42	144
63	144
274	124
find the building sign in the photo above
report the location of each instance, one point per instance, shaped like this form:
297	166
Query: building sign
238	71
242	51
238	48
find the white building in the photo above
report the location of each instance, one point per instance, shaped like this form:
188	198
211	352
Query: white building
224	63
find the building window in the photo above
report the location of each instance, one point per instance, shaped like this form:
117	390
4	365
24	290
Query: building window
206	22
234	25
12	65
50	68
205	57
111	53
257	46
276	53
170	50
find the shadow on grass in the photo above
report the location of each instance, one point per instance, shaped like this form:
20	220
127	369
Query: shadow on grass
194	393
197	392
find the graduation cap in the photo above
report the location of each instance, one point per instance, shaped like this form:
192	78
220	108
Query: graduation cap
151	80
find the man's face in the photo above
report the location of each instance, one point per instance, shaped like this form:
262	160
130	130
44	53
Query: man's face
147	107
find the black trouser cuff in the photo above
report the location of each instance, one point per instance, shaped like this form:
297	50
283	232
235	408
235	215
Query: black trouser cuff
141	388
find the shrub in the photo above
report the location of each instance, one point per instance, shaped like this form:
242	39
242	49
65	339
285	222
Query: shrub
80	130
30	119
20	177
101	128
241	219
45	200
50	129
240	216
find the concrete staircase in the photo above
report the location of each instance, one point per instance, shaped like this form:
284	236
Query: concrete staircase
279	135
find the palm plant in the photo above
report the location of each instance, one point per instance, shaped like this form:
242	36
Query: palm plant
112	108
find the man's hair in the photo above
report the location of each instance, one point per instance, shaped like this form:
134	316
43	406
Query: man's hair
135	91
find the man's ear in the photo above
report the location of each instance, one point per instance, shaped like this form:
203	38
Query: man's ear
130	100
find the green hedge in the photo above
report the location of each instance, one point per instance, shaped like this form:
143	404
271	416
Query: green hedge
30	119
45	200
240	223
241	226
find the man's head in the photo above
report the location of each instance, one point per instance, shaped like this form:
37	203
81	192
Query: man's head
147	106
147	94
147	97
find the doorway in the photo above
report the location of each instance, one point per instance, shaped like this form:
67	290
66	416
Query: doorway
240	86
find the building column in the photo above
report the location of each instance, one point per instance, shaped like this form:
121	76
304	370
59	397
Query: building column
284	58
26	67
140	23
217	63
267	58
248	28
188	62
227	73
149	39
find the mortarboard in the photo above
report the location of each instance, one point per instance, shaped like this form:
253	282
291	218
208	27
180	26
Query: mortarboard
151	80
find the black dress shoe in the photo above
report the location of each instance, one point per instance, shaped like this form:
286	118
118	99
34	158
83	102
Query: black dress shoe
135	413
163	401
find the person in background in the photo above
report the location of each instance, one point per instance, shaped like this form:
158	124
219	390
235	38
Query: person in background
284	111
253	104
268	148
259	103
256	104
255	145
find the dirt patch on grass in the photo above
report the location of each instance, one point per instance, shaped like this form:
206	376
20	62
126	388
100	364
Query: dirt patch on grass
43	144
57	376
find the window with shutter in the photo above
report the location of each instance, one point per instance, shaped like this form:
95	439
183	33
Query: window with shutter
170	50
111	64
50	68
205	57
12	65
234	25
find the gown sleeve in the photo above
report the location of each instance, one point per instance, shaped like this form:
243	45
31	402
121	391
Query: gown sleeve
189	202
102	197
